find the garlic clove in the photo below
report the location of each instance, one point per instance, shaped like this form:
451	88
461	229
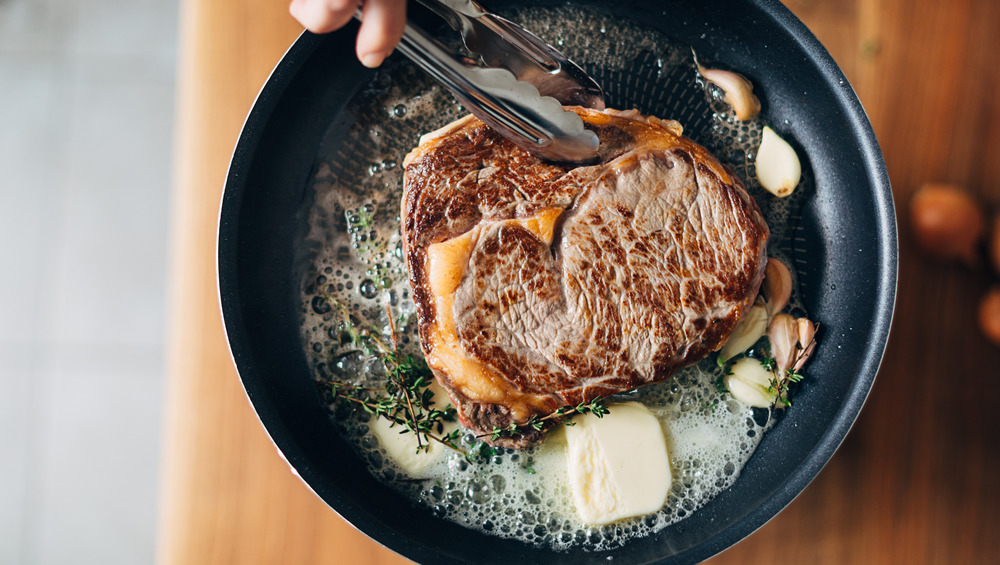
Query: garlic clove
777	286
784	337
739	90
778	166
747	332
806	331
792	342
750	383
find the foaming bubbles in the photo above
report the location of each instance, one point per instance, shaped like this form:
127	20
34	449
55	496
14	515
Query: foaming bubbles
352	256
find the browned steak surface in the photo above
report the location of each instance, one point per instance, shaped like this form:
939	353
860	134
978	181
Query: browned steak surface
539	285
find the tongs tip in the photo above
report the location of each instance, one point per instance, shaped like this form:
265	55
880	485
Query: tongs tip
516	94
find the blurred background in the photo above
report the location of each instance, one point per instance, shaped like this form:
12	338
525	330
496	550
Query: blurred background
87	92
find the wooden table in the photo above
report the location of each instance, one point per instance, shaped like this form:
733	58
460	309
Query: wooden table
916	481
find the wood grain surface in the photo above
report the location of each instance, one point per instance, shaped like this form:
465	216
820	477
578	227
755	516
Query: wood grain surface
916	481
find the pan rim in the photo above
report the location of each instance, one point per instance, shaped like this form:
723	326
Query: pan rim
284	440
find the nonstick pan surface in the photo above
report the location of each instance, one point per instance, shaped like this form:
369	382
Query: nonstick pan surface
843	248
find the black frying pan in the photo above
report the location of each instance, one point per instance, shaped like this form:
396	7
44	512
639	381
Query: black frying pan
845	259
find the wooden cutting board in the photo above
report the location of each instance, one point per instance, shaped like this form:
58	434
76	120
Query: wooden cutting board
916	481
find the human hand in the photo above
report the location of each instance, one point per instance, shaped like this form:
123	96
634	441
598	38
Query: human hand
382	23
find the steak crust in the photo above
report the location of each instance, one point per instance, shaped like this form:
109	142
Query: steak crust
540	285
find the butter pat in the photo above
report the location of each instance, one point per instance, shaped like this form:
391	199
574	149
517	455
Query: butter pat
617	465
402	447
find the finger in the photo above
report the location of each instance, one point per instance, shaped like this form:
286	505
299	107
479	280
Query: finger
382	23
323	16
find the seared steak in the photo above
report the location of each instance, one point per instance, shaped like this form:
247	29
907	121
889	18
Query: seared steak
539	285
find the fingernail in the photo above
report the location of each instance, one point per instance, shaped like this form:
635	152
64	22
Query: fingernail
372	60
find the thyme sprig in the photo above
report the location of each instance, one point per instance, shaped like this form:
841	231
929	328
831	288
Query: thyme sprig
405	399
427	423
536	423
780	382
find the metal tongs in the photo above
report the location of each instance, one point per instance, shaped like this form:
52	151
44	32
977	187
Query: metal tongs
520	91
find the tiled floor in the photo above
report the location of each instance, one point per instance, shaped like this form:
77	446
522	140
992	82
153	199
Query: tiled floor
86	110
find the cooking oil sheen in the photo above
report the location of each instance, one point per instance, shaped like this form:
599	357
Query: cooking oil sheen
351	255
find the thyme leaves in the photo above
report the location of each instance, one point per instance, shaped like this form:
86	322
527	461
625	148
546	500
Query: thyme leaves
563	415
404	398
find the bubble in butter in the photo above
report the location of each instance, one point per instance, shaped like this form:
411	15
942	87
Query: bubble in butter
618	465
401	445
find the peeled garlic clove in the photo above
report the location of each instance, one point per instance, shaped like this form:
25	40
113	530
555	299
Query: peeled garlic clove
806	331
777	286
747	332
750	383
778	167
739	90
784	337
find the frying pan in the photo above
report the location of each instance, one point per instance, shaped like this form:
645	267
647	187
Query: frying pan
845	257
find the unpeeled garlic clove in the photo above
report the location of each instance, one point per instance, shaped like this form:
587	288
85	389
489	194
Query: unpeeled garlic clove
792	342
784	337
750	383
739	90
777	286
807	342
747	332
778	166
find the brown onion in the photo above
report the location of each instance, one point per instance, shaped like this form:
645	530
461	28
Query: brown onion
947	222
989	315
